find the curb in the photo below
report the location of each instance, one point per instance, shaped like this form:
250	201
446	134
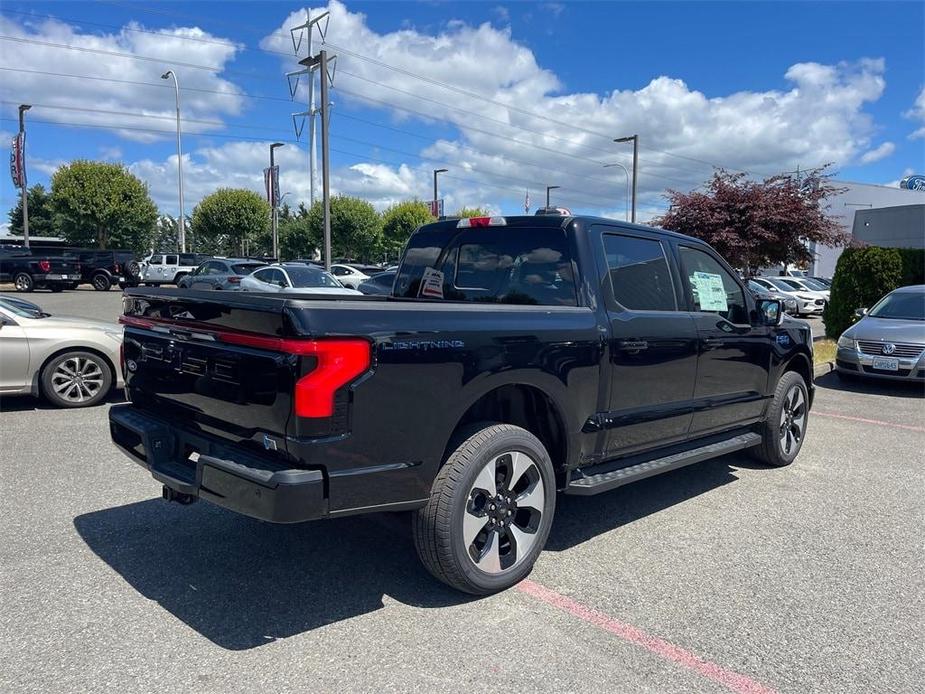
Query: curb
823	369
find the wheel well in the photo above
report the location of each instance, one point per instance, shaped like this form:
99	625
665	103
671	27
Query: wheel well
65	350
524	406
800	364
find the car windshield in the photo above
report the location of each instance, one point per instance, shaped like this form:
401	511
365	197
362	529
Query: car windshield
21	308
755	287
304	276
901	306
786	285
814	285
245	268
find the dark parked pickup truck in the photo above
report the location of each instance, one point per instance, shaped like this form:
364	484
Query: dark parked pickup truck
29	270
517	357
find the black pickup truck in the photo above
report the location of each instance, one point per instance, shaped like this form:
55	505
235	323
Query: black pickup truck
516	357
29	270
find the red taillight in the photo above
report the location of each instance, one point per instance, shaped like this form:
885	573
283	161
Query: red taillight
234	280
339	362
44	266
115	268
467	222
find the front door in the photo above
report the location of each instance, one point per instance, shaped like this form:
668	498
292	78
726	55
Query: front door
652	344
735	356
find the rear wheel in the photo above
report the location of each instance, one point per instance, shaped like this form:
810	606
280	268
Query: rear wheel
784	430
101	282
76	379
490	510
56	288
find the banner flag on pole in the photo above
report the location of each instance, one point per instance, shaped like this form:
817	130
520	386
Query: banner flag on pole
18	160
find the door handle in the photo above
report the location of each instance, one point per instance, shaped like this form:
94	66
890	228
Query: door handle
632	345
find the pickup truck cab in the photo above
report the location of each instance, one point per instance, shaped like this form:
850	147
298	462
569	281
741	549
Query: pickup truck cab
516	358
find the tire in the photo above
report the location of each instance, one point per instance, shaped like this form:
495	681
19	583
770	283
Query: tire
134	269
71	285
784	430
62	387
23	282
466	502
179	276
56	288
101	282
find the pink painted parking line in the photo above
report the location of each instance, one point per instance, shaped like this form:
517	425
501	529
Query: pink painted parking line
731	680
864	420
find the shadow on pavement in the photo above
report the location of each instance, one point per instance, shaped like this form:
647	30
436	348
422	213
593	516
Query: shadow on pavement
579	519
870	386
243	583
28	403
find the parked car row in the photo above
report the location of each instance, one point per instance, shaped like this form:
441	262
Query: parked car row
808	295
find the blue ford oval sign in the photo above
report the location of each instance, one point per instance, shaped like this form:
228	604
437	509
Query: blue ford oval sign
914	182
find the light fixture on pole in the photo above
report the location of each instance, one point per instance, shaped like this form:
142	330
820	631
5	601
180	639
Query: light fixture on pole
273	188
549	188
435	211
182	226
626	204
21	154
635	141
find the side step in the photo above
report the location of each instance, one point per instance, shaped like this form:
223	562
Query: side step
587	485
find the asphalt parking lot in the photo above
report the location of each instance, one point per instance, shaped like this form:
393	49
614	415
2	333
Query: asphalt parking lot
722	576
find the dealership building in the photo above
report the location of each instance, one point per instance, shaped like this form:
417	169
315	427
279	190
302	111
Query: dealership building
875	215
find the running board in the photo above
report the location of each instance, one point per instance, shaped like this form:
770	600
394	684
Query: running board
589	484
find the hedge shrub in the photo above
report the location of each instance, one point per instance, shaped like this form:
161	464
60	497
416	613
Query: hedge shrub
862	276
913	266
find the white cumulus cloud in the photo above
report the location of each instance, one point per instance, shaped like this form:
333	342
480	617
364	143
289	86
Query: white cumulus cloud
878	153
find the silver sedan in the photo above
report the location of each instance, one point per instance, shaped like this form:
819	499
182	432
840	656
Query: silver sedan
72	362
889	340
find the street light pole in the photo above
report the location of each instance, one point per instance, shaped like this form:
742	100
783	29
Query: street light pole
25	188
182	227
274	203
549	188
437	197
626	203
635	139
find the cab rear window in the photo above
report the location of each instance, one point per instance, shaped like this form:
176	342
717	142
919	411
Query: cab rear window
519	265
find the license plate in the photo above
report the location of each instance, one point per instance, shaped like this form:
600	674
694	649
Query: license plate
885	364
74	277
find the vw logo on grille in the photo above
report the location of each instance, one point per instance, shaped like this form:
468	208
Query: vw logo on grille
888	348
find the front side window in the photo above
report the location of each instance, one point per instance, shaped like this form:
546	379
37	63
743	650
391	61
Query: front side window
156	260
712	289
640	277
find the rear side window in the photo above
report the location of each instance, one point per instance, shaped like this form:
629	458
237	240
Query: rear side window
508	265
170	260
640	277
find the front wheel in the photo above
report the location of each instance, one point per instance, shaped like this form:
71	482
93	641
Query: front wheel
784	430
490	510
23	282
76	379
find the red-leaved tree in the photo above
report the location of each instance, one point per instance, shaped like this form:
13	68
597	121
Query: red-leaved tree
756	224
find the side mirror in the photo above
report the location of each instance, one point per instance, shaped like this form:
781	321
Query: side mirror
769	311
860	312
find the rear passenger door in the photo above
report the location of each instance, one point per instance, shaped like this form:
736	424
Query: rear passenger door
652	345
735	356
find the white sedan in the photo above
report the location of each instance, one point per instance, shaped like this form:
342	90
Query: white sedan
808	301
348	276
293	277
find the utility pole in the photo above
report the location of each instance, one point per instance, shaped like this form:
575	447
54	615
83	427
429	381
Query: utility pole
635	140
326	157
309	25
437	197
24	189
549	188
274	203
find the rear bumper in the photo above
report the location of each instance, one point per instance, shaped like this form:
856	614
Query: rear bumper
190	462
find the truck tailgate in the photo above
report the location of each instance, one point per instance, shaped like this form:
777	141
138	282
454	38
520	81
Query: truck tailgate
185	360
64	266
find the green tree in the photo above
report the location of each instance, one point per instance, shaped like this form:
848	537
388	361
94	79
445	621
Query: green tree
399	221
472	212
297	239
41	217
101	204
356	228
232	220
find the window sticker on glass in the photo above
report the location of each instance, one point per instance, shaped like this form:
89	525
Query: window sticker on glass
432	283
711	295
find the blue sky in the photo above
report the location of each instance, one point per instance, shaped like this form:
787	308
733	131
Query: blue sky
509	96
